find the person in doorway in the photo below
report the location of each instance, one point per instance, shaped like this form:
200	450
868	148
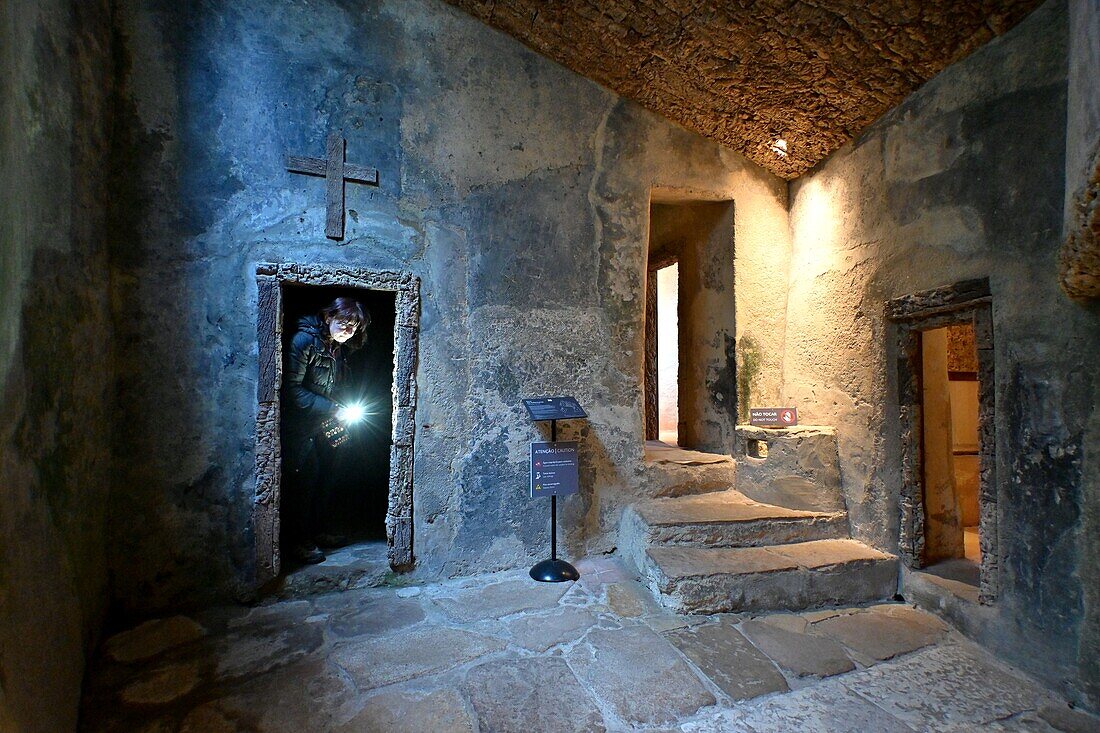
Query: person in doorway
314	421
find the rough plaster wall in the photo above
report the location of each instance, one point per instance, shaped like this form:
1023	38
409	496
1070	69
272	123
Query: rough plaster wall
963	180
55	375
519	193
1082	151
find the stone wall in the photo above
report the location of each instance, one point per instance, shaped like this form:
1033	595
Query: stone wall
1082	164
963	180
517	191
55	371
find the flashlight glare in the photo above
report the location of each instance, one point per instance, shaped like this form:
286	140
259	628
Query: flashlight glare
353	413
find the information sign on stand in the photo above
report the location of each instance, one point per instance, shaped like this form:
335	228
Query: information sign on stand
555	469
554	472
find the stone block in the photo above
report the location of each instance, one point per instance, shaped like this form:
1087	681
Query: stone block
376	663
733	664
151	638
500	599
539	633
639	675
801	470
799	653
882	632
539	694
441	711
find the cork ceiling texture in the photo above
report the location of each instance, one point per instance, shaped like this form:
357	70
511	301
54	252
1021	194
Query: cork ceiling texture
749	73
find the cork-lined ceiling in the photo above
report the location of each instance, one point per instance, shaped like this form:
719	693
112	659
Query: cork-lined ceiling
749	73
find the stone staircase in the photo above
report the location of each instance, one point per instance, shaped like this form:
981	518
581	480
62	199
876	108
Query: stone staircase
709	548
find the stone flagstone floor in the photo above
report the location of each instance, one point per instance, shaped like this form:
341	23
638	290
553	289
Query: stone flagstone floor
503	653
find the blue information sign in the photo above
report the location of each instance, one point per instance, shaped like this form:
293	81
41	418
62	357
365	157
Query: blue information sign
554	468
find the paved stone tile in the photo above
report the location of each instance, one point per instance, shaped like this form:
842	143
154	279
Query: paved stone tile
625	600
539	633
882	633
499	599
441	711
207	719
801	654
309	695
947	684
1063	718
639	675
725	656
536	694
261	647
162	685
378	616
786	621
828	708
151	638
378	662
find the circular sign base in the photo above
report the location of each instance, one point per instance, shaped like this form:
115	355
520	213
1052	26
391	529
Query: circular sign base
554	571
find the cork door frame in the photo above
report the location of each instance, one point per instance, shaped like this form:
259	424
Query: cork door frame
270	280
964	302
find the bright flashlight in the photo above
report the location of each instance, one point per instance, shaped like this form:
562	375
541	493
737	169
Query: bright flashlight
351	413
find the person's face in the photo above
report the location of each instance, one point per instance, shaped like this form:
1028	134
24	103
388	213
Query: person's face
341	329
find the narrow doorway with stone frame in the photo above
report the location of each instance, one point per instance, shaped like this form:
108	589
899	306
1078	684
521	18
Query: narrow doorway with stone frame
689	364
372	483
352	489
946	395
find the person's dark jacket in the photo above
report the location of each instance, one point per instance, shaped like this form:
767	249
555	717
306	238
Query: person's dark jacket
312	371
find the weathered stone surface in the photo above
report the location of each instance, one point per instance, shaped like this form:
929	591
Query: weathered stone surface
729	660
797	575
882	632
1079	260
799	653
639	675
625	601
825	707
162	685
378	662
378	616
498	599
261	647
941	684
403	712
539	633
207	719
801	470
714	69
152	638
309	695
531	695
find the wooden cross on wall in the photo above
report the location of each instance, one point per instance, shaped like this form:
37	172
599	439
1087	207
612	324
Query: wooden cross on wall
335	171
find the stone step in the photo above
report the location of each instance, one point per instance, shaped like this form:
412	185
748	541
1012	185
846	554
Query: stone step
721	519
674	471
790	577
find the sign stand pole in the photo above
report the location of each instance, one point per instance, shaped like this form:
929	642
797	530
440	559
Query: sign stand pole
554	570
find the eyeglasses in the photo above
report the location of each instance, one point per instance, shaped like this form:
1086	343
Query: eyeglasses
346	323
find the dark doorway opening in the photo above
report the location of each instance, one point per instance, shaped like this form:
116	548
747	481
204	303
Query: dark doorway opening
357	482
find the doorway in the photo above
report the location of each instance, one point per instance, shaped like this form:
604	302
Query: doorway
946	392
689	368
355	484
375	486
